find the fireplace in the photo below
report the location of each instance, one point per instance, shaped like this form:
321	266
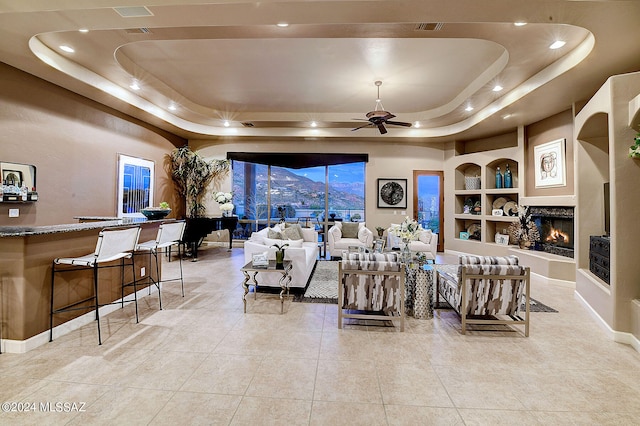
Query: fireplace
556	229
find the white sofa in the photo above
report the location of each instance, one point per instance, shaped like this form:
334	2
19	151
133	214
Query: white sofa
339	239
426	243
303	253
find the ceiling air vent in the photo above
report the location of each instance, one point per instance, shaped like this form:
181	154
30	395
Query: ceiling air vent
133	11
429	26
247	124
138	31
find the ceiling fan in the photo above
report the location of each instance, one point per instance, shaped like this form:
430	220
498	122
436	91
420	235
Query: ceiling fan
379	117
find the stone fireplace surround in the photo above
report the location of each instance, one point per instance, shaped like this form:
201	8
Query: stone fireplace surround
561	218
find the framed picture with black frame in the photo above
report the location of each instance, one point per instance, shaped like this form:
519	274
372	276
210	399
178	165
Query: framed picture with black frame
392	193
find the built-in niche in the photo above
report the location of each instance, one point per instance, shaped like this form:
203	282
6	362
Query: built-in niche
18	182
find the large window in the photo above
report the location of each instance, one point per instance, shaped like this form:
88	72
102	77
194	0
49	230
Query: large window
264	195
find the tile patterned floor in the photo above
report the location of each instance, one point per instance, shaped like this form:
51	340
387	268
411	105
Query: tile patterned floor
202	361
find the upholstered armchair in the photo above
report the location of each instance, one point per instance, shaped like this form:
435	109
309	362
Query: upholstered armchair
487	290
374	283
343	235
427	243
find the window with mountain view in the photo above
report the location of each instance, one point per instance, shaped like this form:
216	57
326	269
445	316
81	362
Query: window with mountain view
264	195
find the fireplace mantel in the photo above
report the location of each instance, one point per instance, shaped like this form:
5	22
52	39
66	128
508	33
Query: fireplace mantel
558	200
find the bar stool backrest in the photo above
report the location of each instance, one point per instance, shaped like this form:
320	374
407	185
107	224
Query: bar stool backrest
170	233
116	243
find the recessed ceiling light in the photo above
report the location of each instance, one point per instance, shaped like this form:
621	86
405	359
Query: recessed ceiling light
504	117
84	30
314	124
282	24
67	49
172	107
557	44
497	88
226	123
519	24
135	85
416	124
469	108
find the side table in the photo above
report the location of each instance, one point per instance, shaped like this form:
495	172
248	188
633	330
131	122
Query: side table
419	291
251	271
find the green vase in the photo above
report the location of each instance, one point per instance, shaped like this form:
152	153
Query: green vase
279	257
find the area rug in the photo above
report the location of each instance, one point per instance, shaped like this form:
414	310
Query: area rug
323	284
323	287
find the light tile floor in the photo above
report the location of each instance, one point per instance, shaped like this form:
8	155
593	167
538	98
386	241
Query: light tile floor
202	361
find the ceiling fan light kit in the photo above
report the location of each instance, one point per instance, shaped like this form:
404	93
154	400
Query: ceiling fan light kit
379	117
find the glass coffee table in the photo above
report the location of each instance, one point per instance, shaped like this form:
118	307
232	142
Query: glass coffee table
250	272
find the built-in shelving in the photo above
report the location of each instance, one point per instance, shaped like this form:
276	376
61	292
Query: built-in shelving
484	165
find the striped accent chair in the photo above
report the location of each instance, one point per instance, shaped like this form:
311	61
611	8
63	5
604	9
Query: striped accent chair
487	290
371	282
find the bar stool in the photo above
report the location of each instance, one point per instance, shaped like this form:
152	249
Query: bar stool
169	234
113	244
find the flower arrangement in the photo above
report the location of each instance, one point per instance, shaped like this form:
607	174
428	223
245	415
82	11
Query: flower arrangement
224	200
408	230
524	230
634	150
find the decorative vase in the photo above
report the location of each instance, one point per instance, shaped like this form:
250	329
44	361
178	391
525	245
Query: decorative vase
380	233
406	251
279	258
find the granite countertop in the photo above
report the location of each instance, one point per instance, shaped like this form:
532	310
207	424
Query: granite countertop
20	231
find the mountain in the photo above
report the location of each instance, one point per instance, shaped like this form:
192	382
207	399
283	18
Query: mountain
301	192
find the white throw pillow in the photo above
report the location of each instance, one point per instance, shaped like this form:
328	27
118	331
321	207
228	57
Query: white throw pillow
295	243
362	233
425	236
270	242
258	237
336	233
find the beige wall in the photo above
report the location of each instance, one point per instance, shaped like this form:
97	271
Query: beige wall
388	160
559	126
74	144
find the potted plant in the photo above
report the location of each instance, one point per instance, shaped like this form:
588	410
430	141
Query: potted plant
280	254
524	231
380	230
192	174
634	150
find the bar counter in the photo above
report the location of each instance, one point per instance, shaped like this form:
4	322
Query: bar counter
26	254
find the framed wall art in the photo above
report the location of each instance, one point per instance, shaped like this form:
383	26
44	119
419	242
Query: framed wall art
392	193
550	166
502	239
12	177
135	185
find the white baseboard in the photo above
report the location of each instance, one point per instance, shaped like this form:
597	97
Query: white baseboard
552	281
616	336
23	346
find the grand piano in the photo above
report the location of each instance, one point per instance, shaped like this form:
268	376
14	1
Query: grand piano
199	227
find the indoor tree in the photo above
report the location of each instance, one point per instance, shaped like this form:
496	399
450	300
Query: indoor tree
192	174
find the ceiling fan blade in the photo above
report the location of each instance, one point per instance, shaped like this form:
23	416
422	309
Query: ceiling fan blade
382	129
399	123
362	127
